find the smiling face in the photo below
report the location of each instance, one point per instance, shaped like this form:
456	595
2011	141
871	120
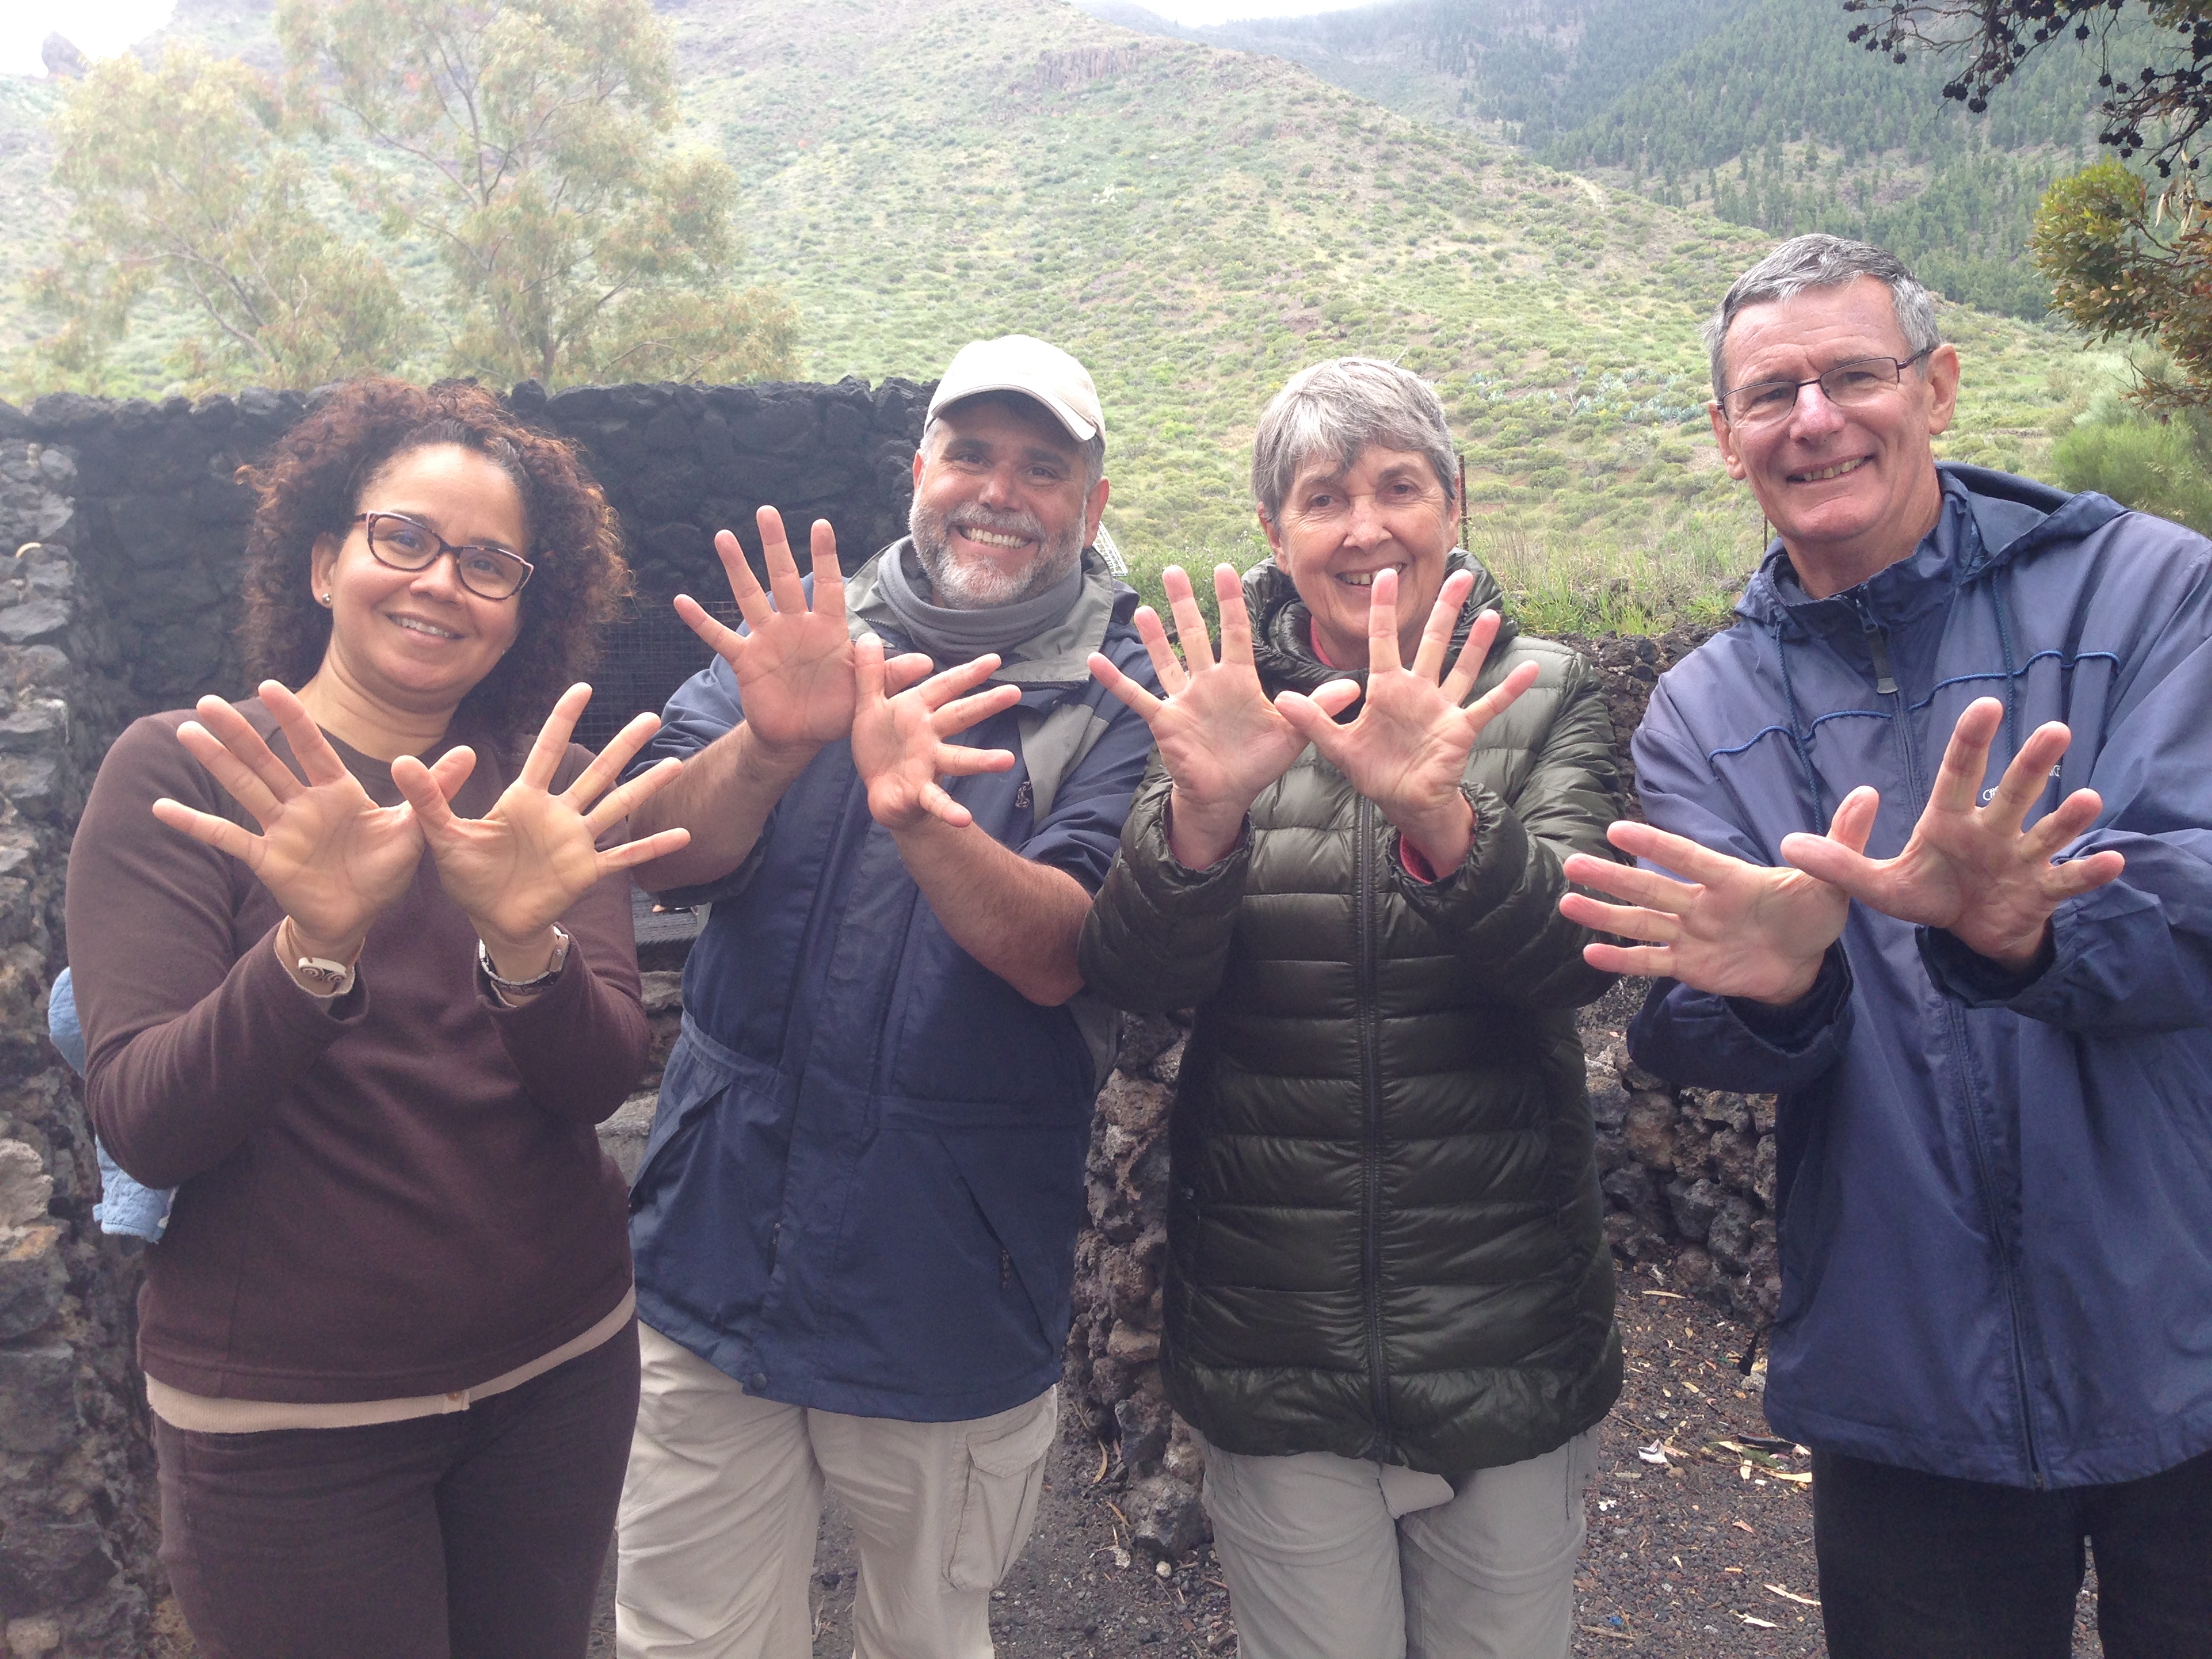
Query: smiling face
408	646
1850	490
1338	526
1002	506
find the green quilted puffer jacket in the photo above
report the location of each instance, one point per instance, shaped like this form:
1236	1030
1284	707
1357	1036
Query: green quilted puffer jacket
1384	1228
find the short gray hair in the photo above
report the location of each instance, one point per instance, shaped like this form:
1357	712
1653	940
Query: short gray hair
1819	260
1340	409
1093	448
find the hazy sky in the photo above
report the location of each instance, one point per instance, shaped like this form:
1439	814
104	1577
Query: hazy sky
1198	12
101	27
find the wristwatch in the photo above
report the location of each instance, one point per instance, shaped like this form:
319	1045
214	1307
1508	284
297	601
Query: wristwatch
525	986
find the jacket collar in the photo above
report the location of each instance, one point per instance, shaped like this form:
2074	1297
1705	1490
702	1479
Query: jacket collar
1989	520
1058	657
1282	640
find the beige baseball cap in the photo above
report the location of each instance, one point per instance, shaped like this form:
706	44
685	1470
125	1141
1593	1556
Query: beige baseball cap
1015	362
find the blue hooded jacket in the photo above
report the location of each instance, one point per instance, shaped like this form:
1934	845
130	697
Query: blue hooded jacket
865	1176
1996	1191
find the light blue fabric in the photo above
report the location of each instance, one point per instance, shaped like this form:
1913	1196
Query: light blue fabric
1996	1190
125	1205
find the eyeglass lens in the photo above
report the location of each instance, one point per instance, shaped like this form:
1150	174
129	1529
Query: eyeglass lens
1854	382
491	572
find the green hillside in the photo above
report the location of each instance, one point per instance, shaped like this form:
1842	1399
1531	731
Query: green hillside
1760	112
1197	224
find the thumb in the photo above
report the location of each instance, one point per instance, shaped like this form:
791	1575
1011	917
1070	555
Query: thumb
868	668
1854	819
1310	721
417	782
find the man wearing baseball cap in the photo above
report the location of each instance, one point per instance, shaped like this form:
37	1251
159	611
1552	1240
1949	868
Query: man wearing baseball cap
854	1224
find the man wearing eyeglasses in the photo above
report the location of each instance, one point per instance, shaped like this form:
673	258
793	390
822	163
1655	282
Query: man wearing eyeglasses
1930	854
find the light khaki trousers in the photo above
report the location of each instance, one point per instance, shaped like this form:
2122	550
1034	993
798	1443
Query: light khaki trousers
724	1496
1329	1558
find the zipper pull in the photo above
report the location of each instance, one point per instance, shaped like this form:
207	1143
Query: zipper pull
1878	643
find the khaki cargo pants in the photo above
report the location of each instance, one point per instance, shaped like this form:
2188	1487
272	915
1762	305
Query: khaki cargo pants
719	1514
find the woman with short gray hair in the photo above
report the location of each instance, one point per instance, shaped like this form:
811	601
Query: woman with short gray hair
1388	1302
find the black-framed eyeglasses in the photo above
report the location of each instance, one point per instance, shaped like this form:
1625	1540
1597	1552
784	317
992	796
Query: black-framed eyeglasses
1860	381
405	543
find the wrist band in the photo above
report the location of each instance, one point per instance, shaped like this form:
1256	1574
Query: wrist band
318	976
525	986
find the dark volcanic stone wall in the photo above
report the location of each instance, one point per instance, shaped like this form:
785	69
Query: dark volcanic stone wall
160	519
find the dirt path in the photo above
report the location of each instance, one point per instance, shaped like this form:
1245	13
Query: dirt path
1706	1555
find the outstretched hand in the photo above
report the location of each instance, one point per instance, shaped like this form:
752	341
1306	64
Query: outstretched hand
1220	739
1729	927
1970	869
330	855
899	746
1408	750
520	866
794	661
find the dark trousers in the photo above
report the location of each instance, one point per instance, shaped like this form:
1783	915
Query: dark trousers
1922	1566
477	1534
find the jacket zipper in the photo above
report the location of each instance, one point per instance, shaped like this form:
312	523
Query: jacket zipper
1877	639
1371	1095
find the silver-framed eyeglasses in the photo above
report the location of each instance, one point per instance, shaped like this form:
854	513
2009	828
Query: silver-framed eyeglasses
405	543
1848	385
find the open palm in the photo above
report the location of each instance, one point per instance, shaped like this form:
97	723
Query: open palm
1971	869
1219	738
900	745
1408	750
794	661
330	856
1728	927
522	865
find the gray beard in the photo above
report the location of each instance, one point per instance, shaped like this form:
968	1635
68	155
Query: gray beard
960	586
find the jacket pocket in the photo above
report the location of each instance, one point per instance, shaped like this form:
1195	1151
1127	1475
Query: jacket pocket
998	1502
697	1072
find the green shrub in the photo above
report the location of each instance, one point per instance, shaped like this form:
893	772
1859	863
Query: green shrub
2155	466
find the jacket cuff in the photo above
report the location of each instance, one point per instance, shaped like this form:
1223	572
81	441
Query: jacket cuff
1967	976
1496	855
1793	1028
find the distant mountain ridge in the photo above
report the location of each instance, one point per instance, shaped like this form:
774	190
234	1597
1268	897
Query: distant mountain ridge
1761	112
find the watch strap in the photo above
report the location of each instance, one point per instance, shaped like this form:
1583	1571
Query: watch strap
526	986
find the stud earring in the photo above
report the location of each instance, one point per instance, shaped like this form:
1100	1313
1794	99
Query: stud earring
326	599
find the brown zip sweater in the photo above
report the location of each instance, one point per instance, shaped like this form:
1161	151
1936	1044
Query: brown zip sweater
397	1193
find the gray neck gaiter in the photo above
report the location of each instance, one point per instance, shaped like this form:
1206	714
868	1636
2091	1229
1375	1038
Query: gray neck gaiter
951	637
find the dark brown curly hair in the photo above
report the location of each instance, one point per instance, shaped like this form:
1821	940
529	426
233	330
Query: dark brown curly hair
311	483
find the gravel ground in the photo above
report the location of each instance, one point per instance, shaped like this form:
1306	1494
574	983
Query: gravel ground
1709	1554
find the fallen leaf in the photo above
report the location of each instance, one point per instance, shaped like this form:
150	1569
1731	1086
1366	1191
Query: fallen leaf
1747	1526
1804	1479
1764	1624
1672	1296
1792	1596
1654	1452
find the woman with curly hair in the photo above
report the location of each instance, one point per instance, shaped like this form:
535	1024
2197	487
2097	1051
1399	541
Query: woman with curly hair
388	1335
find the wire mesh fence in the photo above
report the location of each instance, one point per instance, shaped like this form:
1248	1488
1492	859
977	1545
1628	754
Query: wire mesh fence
641	662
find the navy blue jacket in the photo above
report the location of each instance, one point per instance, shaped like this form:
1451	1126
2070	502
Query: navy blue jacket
864	1178
1995	1190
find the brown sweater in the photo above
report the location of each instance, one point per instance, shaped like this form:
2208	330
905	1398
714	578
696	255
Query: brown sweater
398	1192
